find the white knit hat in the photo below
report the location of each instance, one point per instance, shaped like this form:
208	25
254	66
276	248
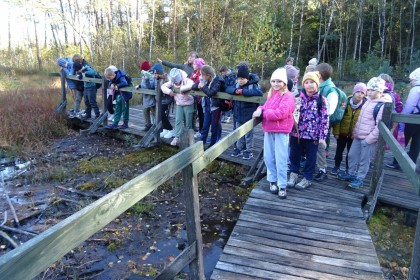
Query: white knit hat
415	75
313	61
279	74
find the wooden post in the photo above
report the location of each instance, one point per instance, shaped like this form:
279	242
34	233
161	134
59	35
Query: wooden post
158	111
377	174
63	86
104	97
414	273
192	210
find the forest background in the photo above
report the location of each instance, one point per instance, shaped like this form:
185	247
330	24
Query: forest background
359	39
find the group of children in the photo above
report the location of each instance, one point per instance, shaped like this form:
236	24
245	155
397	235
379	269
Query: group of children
296	124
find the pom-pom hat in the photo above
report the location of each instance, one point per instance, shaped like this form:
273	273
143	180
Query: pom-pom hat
175	76
145	65
314	76
415	75
158	68
376	84
243	71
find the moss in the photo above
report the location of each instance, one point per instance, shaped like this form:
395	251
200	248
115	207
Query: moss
96	165
145	207
87	186
114	182
151	156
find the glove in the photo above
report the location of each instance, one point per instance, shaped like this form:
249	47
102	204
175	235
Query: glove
80	76
238	91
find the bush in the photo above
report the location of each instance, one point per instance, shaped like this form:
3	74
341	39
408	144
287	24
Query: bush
28	119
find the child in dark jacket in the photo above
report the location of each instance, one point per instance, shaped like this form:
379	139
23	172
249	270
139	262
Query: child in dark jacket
310	132
229	78
247	85
117	80
83	69
210	85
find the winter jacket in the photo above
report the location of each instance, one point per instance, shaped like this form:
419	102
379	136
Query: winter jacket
277	113
195	76
210	89
187	68
313	123
182	98
366	127
242	111
89	72
229	80
413	100
69	71
346	126
148	83
326	90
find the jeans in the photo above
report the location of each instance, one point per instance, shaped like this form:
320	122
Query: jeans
90	101
246	142
149	112
211	119
77	100
276	147
298	147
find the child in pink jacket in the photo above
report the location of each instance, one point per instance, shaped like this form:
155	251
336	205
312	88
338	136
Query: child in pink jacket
365	133
277	122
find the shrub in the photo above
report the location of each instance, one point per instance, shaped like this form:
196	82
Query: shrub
28	119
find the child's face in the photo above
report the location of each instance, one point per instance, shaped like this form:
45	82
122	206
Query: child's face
358	96
205	77
110	77
195	66
310	87
242	81
224	73
373	94
191	58
277	84
289	62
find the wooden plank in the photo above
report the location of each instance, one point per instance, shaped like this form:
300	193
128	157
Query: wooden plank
177	265
223	275
34	256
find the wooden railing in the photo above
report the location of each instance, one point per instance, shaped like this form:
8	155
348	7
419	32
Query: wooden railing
36	255
407	166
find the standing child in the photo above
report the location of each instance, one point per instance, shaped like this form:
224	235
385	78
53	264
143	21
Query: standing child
343	131
247	85
149	102
210	84
310	132
178	86
198	109
229	78
117	80
365	134
277	122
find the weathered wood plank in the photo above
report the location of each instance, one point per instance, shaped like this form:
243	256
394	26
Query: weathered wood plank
30	259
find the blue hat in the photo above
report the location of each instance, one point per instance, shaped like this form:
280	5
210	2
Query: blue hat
61	62
175	76
158	68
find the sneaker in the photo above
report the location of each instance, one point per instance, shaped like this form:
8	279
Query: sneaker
163	133
85	116
356	183
345	176
123	126
175	141
335	170
197	135
111	117
292	180
303	184
321	176
248	155
282	193
111	126
169	134
273	188
237	153
72	115
393	165
227	120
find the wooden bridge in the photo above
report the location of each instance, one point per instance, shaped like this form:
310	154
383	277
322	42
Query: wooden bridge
317	233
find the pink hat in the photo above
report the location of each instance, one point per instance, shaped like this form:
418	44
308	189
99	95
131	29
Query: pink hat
199	62
360	87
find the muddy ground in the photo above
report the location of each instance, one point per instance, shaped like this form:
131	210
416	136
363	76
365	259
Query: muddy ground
78	169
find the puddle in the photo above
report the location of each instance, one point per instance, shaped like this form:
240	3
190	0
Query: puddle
11	168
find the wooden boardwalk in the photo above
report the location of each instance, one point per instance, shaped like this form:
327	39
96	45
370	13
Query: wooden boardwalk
318	233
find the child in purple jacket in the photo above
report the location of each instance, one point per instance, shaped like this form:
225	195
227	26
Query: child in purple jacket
310	131
277	122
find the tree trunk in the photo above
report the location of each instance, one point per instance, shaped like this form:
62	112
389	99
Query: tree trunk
152	31
63	15
382	25
174	27
371	31
413	28
358	28
292	27
323	47
319	30
300	30
341	43
223	24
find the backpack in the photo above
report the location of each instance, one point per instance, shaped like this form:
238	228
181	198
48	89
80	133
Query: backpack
127	95
376	111
223	104
338	114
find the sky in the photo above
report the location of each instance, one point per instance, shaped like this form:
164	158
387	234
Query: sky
18	26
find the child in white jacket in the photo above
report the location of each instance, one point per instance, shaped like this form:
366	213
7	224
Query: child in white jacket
365	133
178	86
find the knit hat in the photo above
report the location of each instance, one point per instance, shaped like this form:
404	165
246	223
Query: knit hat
314	76
313	61
291	71
175	76
61	62
199	62
415	75
223	68
279	74
158	68
145	65
77	66
360	87
243	71
377	84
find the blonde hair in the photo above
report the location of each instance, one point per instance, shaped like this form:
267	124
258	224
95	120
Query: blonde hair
282	90
78	58
208	70
109	72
